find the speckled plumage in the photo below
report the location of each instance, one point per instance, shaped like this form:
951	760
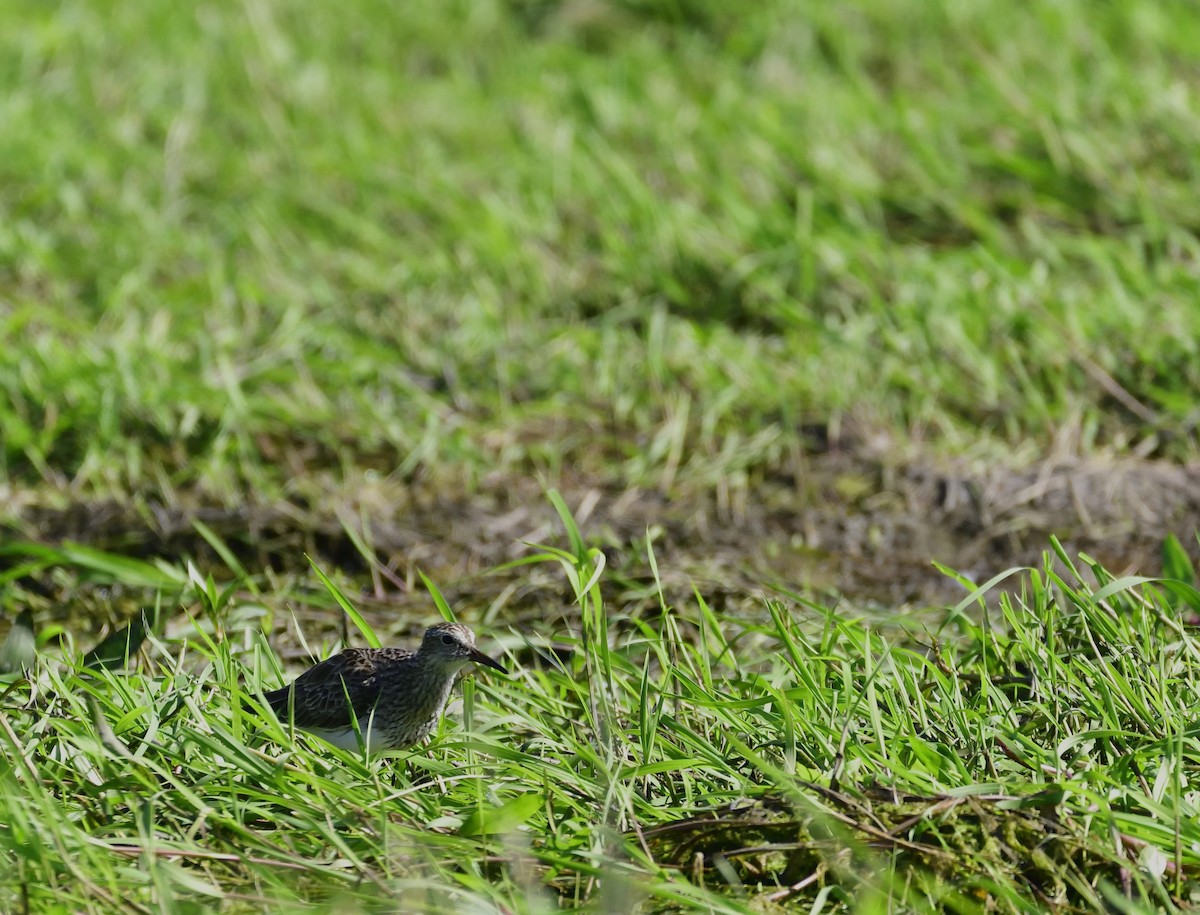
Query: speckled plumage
397	695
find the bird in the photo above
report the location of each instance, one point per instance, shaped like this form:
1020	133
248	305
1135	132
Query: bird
396	695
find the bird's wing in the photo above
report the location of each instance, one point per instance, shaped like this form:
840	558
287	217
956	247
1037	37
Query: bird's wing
325	694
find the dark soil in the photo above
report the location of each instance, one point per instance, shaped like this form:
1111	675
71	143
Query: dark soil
841	527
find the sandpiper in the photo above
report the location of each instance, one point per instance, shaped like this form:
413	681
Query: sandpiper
396	695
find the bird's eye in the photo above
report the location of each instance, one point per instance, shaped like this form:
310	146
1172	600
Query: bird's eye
447	640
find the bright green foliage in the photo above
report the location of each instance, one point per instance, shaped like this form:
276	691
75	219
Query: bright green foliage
672	758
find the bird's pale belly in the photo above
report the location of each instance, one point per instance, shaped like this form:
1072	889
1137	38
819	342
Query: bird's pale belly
377	736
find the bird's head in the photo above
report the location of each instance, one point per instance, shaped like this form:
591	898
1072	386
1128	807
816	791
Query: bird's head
453	645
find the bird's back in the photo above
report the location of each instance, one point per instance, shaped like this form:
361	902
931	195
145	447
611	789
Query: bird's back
394	697
349	682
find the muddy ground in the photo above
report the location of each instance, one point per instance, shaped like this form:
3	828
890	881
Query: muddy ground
841	526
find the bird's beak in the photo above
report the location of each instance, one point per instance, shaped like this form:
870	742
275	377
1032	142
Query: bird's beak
480	658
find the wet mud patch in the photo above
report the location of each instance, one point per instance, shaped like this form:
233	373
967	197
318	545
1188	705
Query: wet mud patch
840	527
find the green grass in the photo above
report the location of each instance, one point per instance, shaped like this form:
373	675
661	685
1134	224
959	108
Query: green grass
672	758
331	262
253	247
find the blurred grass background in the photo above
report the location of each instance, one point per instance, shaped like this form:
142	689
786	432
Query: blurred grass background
246	246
